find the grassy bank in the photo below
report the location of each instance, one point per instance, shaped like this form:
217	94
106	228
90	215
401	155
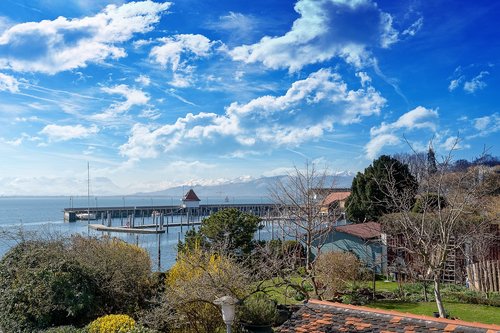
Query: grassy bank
468	312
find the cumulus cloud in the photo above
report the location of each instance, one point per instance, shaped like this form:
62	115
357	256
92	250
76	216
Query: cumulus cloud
169	53
8	83
477	83
419	117
64	44
325	29
67	132
375	145
175	52
385	134
133	97
307	110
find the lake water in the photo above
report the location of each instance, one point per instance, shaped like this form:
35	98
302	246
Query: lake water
43	217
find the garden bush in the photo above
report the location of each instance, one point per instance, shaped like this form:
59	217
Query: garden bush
258	309
117	323
122	270
336	272
49	283
195	281
65	329
41	285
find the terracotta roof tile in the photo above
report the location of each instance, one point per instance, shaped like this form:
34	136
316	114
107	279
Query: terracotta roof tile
335	196
190	196
328	317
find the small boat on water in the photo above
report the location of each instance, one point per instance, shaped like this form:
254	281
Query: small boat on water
86	216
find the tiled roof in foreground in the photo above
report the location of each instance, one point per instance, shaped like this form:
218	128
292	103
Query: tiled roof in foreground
327	317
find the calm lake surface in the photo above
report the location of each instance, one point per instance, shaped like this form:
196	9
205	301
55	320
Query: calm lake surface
43	217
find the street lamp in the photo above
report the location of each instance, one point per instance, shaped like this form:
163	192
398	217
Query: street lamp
228	307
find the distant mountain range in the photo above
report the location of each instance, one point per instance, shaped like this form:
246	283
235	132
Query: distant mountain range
248	188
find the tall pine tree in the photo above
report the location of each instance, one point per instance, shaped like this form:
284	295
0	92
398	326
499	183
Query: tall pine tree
431	161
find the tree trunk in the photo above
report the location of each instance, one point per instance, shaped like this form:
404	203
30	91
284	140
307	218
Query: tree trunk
426	299
308	252
437	296
374	281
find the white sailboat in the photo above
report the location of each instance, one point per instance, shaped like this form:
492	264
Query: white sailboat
88	215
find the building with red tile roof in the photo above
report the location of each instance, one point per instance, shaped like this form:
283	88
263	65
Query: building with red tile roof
190	200
328	317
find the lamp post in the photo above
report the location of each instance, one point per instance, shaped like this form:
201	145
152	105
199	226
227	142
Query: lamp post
228	307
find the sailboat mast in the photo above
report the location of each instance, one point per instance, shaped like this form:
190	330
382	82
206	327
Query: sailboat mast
88	192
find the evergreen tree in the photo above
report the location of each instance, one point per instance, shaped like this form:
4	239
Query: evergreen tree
368	200
228	229
431	161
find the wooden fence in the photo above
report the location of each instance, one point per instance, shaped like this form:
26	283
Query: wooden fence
484	276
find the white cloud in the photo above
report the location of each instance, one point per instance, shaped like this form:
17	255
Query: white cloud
64	44
176	51
181	80
150	113
27	119
325	29
144	80
454	84
307	110
238	25
477	83
487	124
385	134
375	145
169	53
133	97
414	28
417	118
364	78
453	143
8	83
65	133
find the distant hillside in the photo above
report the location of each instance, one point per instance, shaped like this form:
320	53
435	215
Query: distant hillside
251	188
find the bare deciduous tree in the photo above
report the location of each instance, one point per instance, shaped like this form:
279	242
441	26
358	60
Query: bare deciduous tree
299	197
447	216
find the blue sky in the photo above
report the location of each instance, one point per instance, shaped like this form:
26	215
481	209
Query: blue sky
156	94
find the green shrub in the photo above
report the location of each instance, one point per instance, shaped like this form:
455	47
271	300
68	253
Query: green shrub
142	329
42	285
49	283
357	296
65	329
116	323
258	309
473	297
122	271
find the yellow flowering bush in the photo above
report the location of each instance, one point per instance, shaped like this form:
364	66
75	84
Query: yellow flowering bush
196	280
112	324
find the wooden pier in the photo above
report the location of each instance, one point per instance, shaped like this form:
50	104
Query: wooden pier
136	219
